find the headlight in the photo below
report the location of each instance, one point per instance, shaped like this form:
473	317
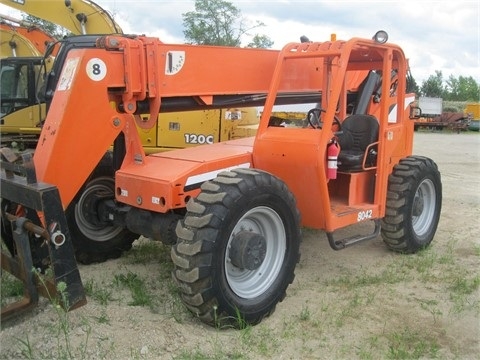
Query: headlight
380	37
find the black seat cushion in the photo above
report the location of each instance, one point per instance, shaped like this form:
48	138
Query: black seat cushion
358	131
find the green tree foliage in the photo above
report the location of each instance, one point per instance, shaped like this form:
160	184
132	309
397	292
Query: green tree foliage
412	86
433	86
453	89
260	41
56	31
462	88
219	22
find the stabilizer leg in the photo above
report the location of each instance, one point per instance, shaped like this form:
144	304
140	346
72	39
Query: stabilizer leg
43	255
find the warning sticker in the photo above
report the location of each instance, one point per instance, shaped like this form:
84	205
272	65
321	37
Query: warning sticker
68	74
174	62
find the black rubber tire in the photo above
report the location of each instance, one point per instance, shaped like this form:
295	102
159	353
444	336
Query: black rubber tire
414	201
214	289
6	231
93	242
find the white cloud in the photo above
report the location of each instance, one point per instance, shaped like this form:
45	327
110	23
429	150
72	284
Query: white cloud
435	35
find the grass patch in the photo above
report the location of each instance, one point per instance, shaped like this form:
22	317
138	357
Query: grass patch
390	275
410	344
137	287
464	293
146	251
11	288
103	294
464	286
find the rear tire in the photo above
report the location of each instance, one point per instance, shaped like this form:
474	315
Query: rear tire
94	241
414	201
6	231
237	248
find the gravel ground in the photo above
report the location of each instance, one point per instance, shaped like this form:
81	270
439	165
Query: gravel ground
364	302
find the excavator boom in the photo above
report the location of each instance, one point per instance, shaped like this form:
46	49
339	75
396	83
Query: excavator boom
77	16
24	39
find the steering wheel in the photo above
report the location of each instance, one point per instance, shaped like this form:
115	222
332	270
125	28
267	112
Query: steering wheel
313	118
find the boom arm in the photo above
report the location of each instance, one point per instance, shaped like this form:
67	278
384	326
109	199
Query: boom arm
20	38
78	16
130	71
15	44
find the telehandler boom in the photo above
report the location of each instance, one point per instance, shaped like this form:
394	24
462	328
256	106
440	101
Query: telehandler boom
232	211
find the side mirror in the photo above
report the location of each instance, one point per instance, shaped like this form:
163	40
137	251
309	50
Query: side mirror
415	112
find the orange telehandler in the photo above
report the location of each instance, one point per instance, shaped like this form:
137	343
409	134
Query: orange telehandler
232	211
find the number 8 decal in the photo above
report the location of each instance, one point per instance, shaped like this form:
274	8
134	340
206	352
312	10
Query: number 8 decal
96	69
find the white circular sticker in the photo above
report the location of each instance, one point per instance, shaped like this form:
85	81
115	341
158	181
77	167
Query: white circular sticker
96	69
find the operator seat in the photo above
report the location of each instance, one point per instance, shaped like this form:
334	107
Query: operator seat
358	131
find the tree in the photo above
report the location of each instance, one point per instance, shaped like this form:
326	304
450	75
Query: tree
412	86
462	89
260	41
469	89
453	89
433	86
219	22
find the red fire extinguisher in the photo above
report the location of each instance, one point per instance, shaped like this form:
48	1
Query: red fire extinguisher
332	157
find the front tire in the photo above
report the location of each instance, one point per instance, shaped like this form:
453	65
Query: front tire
237	248
414	202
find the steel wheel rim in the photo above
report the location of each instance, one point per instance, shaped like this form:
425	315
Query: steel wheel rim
249	284
93	231
424	197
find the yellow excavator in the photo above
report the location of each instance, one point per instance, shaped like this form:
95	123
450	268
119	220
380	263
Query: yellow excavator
77	16
20	38
23	64
21	124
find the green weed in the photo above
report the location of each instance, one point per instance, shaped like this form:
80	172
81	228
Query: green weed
137	287
461	291
305	313
432	307
26	348
409	344
11	288
101	293
145	251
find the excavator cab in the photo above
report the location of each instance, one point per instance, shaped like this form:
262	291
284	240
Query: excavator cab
22	81
17	84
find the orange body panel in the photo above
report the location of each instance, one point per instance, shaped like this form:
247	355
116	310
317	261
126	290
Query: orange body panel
76	137
166	180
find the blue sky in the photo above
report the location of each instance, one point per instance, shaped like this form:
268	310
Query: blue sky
435	35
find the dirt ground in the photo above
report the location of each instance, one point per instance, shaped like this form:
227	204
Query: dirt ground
364	302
